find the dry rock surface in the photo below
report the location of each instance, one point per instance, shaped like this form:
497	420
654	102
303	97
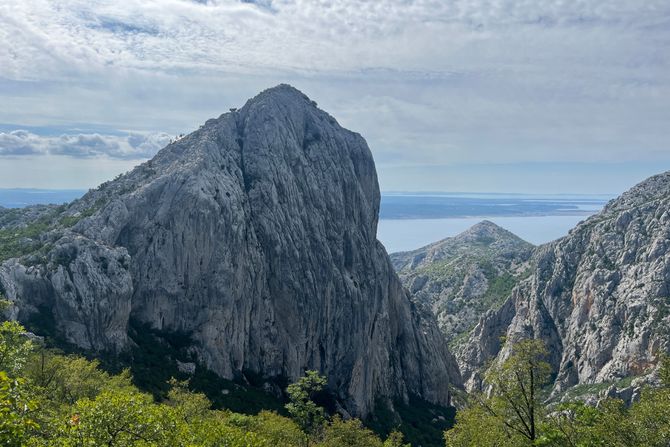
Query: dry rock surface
462	277
599	298
255	235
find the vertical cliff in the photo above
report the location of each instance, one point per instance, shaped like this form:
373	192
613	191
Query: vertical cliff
599	297
255	235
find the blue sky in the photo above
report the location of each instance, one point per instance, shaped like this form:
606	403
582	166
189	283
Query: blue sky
569	96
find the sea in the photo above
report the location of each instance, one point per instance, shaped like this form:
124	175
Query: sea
409	220
19	198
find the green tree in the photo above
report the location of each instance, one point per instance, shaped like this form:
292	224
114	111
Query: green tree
190	406
571	425
645	423
274	429
118	419
63	380
16	411
350	433
395	439
516	384
303	410
512	407
15	347
476	426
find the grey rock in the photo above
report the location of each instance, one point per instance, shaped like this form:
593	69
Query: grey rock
84	287
462	278
255	235
599	297
186	367
21	217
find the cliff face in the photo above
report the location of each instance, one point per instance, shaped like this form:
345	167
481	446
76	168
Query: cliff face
462	277
598	297
256	235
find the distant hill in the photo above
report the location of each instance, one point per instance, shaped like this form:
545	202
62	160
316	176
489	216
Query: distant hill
462	277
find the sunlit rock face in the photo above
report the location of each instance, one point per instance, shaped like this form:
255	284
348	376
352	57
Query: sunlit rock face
255	235
461	278
599	297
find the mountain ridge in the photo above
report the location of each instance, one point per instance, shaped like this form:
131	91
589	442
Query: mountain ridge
256	235
598	297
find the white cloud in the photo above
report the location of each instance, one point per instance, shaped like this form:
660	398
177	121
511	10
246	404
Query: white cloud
45	38
133	146
427	82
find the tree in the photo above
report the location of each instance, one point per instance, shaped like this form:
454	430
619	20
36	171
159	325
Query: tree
571	425
15	347
117	419
350	433
63	380
16	411
476	426
302	408
513	407
645	423
395	439
516	385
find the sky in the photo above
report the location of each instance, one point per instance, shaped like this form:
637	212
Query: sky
544	96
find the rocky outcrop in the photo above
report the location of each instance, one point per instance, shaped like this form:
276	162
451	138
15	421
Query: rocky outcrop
256	236
84	286
463	277
599	297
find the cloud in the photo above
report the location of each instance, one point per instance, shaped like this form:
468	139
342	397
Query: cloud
44	38
427	82
133	146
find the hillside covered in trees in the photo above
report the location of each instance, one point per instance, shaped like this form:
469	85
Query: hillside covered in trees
51	399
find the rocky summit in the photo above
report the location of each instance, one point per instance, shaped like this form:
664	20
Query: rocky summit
599	298
462	277
255	235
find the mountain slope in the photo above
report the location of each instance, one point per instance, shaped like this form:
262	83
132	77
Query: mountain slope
462	277
255	237
598	297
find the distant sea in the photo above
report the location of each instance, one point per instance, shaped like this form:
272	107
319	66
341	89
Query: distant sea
18	198
409	220
412	220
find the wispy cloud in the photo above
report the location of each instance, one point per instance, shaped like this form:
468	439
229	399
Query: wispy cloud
425	81
314	36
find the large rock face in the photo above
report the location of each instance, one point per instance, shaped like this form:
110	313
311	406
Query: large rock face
256	235
599	297
462	277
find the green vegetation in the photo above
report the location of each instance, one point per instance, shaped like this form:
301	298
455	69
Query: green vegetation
500	287
153	362
512	413
17	242
302	407
420	422
71	220
51	399
451	274
22	234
